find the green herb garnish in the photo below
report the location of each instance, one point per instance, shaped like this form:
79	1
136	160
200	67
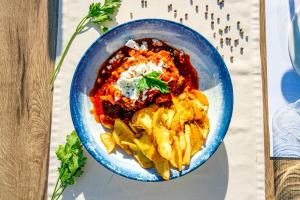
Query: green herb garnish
72	163
97	15
152	80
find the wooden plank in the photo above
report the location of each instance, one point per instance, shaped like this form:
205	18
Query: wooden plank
287	179
27	27
269	171
282	175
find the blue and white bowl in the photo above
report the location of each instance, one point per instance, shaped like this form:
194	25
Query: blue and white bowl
214	81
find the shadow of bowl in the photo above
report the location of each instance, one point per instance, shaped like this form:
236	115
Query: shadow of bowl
209	182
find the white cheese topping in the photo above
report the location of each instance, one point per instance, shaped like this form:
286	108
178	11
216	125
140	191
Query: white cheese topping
144	97
144	46
134	45
127	83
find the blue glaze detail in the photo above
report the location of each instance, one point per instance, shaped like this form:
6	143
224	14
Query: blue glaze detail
204	57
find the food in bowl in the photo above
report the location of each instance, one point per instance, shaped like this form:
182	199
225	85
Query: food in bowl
147	93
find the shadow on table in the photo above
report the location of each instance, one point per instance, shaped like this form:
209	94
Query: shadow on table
208	182
54	28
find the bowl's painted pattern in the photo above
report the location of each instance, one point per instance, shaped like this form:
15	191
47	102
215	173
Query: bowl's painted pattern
214	81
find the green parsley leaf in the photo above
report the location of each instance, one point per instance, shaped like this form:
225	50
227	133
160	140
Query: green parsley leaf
152	80
153	74
71	165
103	29
110	5
60	153
142	85
101	18
72	139
157	83
94	9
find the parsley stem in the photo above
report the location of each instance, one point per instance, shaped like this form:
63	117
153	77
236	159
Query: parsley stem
57	68
54	192
81	24
61	193
78	29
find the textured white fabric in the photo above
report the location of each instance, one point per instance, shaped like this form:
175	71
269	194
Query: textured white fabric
236	171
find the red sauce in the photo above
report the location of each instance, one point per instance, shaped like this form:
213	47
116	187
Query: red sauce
107	109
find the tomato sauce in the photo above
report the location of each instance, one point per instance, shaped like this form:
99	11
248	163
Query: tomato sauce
109	104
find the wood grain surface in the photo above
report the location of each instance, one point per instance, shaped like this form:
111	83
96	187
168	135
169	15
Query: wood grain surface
27	41
269	169
282	175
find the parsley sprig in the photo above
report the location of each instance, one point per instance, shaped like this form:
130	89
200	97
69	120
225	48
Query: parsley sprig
72	163
97	15
152	80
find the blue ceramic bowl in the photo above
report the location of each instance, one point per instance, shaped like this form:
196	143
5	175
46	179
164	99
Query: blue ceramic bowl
214	81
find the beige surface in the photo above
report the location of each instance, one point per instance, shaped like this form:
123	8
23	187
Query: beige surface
236	170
